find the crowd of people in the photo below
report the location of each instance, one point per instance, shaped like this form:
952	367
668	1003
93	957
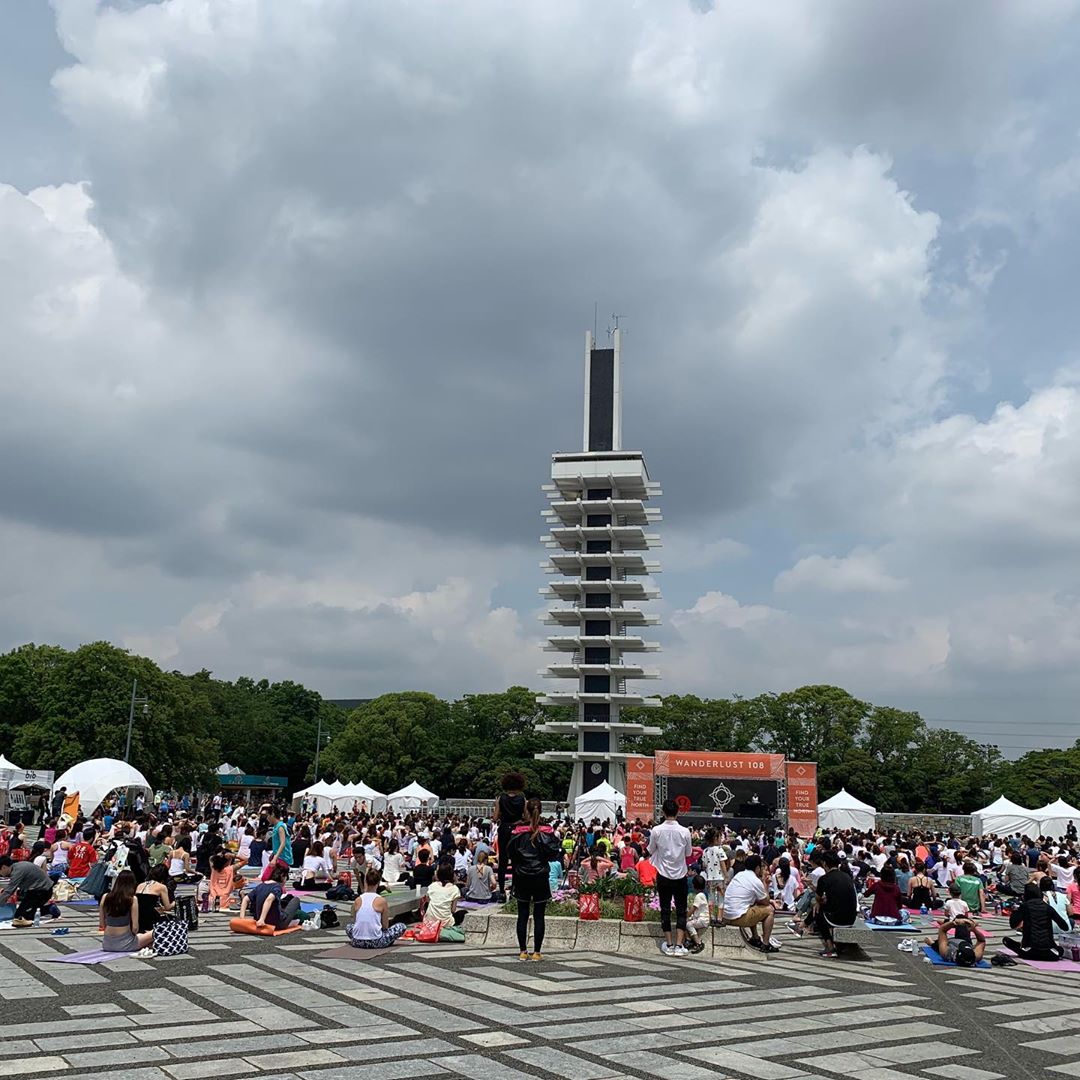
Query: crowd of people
254	860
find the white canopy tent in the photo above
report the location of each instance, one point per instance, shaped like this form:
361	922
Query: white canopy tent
339	796
844	811
7	765
411	797
1003	817
228	770
600	803
94	779
1053	819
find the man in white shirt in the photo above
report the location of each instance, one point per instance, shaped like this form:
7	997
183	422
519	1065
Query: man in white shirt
746	904
669	848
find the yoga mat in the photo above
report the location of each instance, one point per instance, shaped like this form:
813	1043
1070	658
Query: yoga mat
94	956
938	960
347	952
899	926
476	905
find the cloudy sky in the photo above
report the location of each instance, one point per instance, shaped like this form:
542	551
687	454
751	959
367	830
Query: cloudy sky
292	298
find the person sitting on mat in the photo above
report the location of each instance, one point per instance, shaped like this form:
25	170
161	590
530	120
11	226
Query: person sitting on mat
921	892
1037	919
266	903
370	928
119	919
959	949
886	894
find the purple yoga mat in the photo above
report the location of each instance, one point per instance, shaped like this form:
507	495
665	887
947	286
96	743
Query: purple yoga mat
1049	965
94	956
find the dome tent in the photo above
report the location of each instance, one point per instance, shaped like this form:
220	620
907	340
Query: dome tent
1054	818
600	803
94	779
411	797
844	811
1003	817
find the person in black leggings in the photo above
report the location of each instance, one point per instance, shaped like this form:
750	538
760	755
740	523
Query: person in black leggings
532	846
509	809
1037	918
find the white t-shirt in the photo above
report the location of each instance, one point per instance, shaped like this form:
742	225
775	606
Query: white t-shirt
956	909
744	890
669	848
714	860
700	909
440	899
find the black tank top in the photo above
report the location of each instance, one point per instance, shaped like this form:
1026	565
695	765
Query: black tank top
511	809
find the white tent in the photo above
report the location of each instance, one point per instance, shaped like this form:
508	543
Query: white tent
5	764
1053	818
228	770
1003	817
599	803
361	793
844	811
94	779
411	797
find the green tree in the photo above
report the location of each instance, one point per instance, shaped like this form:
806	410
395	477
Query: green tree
392	740
692	723
813	723
1042	776
82	702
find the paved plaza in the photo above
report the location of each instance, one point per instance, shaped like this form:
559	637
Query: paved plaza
240	1006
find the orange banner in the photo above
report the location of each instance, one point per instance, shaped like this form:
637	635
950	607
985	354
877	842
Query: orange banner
802	797
703	763
640	798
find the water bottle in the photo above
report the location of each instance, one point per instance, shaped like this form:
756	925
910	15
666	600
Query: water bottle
37	917
924	910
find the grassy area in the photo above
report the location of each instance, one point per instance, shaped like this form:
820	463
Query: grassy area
609	909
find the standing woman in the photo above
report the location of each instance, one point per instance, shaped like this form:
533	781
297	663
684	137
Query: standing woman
532	846
508	812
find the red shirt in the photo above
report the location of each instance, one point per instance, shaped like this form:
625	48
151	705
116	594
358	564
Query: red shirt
81	857
646	872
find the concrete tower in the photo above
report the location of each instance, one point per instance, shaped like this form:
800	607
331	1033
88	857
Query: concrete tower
598	516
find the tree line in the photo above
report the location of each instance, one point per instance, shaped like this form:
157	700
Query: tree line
60	706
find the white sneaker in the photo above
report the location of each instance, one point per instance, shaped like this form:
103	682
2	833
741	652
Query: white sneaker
666	949
678	950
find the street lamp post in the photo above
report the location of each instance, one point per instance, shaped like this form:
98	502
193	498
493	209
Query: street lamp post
144	702
318	745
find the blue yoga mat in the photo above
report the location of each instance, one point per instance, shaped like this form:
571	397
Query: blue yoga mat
939	961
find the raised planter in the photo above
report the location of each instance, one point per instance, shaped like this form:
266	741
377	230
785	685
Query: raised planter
492	928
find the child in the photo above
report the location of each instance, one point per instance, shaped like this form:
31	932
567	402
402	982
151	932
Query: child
223	881
955	907
699	914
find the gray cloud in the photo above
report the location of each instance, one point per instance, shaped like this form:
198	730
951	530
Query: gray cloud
285	373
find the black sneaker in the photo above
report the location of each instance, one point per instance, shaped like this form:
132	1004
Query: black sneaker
699	947
770	948
754	942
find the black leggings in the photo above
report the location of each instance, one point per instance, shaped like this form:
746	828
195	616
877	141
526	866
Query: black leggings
668	890
1051	955
505	831
538	909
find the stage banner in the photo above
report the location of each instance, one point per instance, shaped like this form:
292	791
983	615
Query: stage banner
802	798
640	800
703	763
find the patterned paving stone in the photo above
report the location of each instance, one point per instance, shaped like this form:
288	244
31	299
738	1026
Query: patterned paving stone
276	1010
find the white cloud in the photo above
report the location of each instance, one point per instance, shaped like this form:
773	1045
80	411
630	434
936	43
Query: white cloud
861	571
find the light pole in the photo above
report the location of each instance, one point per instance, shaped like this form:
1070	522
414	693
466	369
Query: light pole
318	746
145	703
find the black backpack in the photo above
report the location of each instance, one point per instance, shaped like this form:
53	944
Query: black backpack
328	917
188	911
